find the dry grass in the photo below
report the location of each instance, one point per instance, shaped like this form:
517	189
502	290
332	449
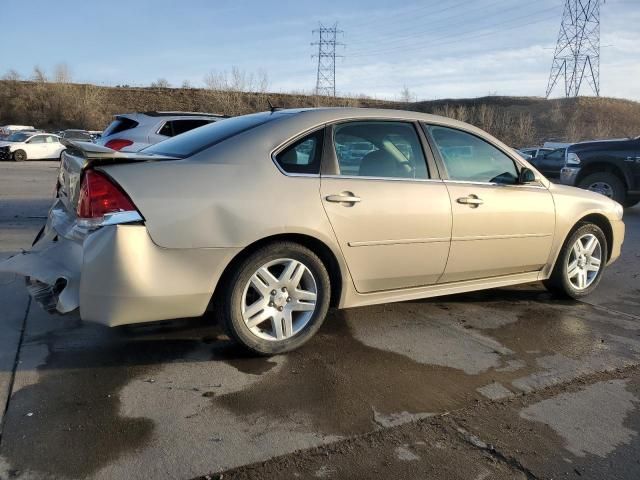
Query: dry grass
518	121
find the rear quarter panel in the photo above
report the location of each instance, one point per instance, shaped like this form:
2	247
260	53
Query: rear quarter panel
229	195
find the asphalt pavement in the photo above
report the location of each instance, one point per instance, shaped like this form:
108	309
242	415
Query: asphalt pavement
506	383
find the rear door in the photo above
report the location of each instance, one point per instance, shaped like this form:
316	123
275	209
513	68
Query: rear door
389	210
52	147
500	227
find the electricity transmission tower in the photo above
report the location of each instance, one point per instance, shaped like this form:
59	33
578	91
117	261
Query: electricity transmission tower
327	42
577	53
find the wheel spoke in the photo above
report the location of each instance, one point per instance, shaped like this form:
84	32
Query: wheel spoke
292	274
287	322
577	248
259	318
255	308
276	323
299	306
268	276
591	245
594	264
582	279
572	269
305	295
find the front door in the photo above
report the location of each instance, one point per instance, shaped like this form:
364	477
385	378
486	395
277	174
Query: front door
500	227
392	219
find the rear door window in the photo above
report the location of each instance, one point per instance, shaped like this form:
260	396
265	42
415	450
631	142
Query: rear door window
381	149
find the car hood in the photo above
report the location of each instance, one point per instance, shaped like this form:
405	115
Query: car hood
5	143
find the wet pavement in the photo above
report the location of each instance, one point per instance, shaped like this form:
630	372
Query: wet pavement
506	383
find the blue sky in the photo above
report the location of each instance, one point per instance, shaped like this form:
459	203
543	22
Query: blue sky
437	48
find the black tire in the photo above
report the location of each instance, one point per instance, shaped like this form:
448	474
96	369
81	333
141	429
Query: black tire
617	186
19	156
631	202
559	282
229	303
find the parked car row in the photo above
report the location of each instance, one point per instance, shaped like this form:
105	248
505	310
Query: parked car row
609	167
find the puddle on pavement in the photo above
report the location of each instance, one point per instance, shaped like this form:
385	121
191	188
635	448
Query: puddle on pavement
68	424
339	385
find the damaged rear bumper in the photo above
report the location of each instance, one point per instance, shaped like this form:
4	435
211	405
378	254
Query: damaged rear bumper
117	275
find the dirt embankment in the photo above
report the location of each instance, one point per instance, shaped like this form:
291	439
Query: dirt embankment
518	121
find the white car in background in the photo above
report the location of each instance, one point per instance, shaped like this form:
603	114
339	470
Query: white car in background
25	145
131	132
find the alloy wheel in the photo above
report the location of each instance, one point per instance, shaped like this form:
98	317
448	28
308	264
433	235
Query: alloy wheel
602	188
584	262
279	299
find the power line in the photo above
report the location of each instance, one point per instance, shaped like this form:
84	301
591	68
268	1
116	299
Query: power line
409	31
497	29
577	53
326	74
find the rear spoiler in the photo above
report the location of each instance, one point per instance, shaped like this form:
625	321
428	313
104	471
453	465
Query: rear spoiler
79	156
91	154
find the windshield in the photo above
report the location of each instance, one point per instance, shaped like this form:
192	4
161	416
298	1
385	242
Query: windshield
18	137
201	138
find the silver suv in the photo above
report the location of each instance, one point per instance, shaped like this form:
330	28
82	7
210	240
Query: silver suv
131	132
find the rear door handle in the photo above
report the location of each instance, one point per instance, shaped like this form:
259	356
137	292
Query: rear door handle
472	200
344	197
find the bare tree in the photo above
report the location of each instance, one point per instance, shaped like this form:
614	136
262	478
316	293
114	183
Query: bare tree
186	84
161	83
406	95
39	76
11	76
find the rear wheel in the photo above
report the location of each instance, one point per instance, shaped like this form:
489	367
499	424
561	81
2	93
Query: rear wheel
605	183
579	266
276	299
19	156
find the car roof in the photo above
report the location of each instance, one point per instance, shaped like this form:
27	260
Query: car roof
336	114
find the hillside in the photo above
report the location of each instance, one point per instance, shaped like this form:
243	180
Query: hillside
518	121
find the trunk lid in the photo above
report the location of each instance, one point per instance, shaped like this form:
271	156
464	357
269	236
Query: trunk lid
79	156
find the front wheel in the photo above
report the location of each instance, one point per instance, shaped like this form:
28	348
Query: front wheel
276	299
19	156
579	266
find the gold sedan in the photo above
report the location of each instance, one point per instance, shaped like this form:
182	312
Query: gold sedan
272	218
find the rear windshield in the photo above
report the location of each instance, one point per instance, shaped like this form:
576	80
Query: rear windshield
19	137
198	139
120	124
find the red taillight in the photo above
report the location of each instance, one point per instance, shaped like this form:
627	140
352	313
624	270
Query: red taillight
99	196
118	143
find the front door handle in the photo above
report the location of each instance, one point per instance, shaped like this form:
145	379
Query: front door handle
472	200
344	197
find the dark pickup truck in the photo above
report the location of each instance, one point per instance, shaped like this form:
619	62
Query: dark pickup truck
610	167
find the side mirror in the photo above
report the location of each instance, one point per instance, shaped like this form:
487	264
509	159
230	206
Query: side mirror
526	176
